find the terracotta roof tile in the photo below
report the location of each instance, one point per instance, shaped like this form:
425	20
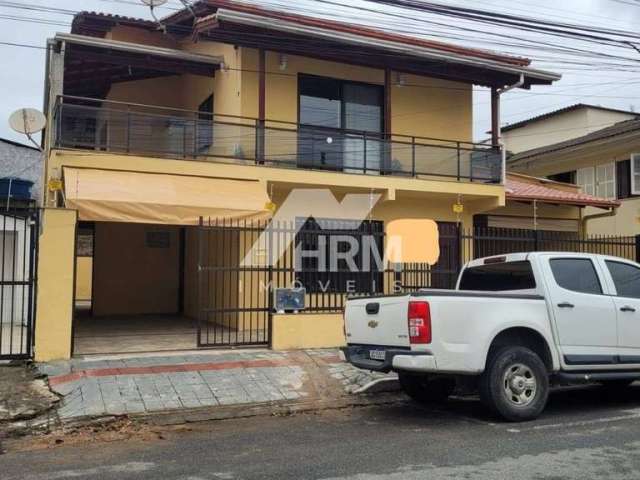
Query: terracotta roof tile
369	32
521	187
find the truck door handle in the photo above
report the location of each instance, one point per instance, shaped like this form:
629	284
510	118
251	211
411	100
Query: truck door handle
566	305
627	308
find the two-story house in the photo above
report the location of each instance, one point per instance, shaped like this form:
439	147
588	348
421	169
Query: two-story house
170	146
594	147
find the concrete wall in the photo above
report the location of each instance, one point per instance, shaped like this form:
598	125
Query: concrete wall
131	277
56	274
22	162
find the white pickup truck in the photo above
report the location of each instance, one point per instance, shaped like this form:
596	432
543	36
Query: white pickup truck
514	325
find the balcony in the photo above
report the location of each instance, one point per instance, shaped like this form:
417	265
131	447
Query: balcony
128	128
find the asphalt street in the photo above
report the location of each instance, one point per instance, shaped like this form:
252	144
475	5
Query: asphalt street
583	434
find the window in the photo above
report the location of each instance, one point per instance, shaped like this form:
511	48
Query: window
205	125
566	177
599	181
84	242
576	274
606	180
327	103
318	268
585	178
626	278
635	174
499	277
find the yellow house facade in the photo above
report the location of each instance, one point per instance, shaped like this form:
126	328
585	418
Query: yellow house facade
169	149
602	161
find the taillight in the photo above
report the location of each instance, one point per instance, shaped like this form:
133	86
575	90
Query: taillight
419	319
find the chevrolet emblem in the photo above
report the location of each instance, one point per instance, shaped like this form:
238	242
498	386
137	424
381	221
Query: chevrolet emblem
373	324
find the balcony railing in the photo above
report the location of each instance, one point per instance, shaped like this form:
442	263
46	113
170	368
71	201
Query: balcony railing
83	123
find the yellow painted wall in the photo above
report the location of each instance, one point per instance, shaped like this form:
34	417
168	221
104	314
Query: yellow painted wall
129	276
84	274
425	106
56	272
292	177
291	331
626	221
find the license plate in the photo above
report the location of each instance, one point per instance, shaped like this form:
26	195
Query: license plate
377	354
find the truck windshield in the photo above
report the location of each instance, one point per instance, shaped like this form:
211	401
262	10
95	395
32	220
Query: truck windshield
498	277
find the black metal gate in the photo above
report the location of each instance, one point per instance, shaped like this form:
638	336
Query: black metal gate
18	262
234	294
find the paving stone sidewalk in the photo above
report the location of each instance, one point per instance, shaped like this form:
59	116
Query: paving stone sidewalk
150	384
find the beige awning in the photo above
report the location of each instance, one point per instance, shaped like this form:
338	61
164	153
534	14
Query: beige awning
116	196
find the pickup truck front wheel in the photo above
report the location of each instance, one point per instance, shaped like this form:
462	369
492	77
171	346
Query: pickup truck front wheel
424	389
515	384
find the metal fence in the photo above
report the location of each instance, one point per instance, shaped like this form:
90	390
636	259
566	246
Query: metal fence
18	260
241	265
98	124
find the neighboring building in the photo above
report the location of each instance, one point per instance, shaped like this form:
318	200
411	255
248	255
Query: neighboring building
223	117
560	125
19	163
604	163
539	204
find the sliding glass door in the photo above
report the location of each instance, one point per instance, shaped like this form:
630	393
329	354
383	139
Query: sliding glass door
341	125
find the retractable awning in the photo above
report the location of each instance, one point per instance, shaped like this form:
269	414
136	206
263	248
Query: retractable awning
134	197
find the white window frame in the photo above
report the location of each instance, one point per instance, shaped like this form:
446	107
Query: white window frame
584	187
594	184
611	182
635	189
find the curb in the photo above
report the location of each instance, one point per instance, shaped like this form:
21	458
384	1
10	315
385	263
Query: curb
261	409
206	414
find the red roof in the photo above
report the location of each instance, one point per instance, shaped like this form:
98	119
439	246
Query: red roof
368	32
82	24
523	187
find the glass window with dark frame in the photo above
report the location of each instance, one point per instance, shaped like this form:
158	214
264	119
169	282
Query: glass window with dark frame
341	123
336	276
576	274
204	137
626	278
499	277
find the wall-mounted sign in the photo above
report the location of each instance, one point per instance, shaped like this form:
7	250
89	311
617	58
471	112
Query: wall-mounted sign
54	184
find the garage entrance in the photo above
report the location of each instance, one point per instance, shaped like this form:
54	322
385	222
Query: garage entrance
134	290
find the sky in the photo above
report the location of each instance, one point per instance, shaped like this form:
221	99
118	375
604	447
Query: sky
599	83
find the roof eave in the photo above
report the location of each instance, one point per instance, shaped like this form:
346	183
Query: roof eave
243	18
560	201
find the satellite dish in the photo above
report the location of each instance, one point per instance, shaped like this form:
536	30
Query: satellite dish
154	3
27	121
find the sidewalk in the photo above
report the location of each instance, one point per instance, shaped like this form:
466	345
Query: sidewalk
143	385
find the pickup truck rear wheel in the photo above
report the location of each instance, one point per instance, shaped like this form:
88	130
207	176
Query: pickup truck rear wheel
424	389
515	384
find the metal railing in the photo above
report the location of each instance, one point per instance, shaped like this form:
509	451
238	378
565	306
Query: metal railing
96	124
